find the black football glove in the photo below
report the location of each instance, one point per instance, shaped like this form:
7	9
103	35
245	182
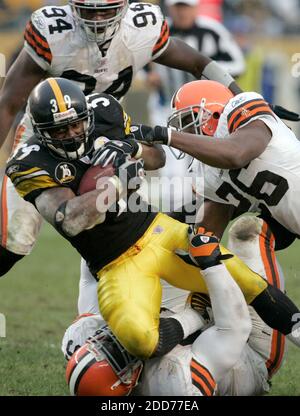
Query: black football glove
113	150
130	172
285	114
204	249
150	135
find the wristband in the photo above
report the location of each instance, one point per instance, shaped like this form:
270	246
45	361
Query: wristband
215	72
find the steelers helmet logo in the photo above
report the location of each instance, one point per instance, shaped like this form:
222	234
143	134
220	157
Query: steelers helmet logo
65	172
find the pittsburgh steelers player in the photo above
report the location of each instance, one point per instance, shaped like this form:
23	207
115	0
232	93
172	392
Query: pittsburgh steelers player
249	161
101	45
127	250
250	375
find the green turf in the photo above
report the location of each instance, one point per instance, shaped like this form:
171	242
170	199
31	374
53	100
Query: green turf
39	299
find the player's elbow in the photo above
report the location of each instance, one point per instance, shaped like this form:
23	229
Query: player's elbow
10	105
236	158
244	327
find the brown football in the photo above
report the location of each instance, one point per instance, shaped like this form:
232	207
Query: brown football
94	175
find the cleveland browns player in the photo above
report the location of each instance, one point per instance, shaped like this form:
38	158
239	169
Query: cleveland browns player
248	159
100	45
127	251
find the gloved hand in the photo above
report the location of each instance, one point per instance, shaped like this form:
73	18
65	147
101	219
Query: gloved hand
115	149
200	302
130	172
285	114
204	250
151	135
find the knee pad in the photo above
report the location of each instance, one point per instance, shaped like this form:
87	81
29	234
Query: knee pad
245	229
245	238
7	260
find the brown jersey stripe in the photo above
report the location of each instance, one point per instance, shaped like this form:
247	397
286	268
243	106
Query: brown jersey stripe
163	39
40	52
246	108
4	213
266	240
236	110
200	368
197	381
29	37
35	34
254	113
234	116
202	378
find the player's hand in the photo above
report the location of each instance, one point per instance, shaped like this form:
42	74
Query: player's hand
151	135
113	150
130	172
284	114
204	249
200	302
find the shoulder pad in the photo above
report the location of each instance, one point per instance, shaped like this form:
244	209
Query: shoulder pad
47	27
146	27
244	108
110	118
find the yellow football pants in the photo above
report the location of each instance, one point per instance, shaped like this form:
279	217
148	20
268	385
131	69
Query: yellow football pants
130	292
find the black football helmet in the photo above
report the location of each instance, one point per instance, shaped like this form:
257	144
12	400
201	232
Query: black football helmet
55	104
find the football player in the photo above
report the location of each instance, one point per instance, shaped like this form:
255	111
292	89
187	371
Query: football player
100	44
127	250
247	157
246	374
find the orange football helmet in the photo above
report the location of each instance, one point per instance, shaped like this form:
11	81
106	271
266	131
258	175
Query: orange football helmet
198	105
102	367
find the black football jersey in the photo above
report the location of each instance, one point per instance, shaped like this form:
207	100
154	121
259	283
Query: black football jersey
34	169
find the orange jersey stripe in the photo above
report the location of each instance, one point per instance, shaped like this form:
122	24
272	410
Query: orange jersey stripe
4	209
268	256
163	38
39	40
46	55
4	216
204	371
252	113
18	135
199	383
235	113
202	379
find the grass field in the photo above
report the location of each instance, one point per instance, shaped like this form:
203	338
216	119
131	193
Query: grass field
38	298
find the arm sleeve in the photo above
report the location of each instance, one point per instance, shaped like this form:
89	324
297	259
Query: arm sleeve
218	348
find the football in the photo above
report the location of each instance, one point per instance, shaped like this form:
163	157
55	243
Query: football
93	176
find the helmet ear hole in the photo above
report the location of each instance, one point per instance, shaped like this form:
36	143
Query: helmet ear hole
216	115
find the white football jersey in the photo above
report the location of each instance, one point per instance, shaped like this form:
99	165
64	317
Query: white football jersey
271	180
59	45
